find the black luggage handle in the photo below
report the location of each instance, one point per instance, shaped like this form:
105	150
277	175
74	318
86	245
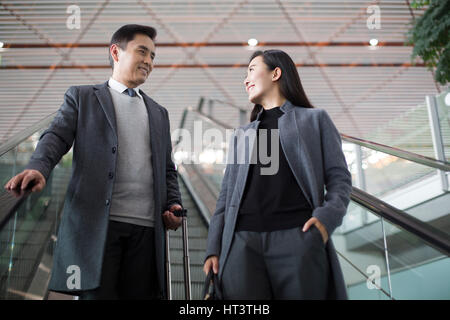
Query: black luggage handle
180	213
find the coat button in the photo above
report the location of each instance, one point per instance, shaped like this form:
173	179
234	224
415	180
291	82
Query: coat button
107	202
111	175
114	149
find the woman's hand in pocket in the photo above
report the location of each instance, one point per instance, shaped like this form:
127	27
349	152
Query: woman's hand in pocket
314	221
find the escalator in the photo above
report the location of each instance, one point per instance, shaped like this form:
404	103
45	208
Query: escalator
385	252
28	223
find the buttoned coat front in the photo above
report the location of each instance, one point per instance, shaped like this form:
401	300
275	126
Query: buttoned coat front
313	149
87	121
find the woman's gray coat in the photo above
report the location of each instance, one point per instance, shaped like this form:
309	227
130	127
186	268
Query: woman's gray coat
313	149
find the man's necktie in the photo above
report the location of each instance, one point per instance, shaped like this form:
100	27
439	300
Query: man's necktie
130	92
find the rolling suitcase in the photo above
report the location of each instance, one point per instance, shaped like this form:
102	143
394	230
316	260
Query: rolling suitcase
187	273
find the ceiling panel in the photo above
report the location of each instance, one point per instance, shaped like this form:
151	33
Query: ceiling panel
362	88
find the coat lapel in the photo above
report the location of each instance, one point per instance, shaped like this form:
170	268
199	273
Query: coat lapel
104	97
155	121
293	146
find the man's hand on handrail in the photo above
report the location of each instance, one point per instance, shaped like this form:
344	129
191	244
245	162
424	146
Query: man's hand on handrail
29	177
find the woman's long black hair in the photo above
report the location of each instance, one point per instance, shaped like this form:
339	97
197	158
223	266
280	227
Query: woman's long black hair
290	85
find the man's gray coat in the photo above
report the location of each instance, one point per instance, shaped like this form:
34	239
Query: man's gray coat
313	149
86	120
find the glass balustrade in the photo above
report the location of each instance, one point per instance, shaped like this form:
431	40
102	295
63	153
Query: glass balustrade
27	239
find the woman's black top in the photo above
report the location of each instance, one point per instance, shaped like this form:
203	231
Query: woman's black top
271	202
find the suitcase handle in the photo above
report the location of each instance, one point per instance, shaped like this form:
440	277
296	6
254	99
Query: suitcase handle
180	213
187	272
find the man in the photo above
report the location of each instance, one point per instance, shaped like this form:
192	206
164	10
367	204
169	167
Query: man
111	238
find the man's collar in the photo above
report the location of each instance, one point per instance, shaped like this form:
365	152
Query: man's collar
120	87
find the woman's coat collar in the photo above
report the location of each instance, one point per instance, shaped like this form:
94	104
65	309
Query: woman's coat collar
285	107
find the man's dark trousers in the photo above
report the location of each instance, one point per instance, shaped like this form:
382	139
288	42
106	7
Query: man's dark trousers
129	268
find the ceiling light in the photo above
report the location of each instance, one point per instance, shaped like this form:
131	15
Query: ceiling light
373	42
252	42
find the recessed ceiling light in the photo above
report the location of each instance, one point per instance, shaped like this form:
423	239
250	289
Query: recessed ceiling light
252	42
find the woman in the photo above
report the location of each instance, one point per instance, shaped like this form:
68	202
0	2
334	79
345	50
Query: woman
269	235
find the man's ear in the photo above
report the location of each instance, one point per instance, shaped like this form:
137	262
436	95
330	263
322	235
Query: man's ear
276	74
114	52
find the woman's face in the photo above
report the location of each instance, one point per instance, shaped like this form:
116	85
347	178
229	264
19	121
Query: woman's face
259	81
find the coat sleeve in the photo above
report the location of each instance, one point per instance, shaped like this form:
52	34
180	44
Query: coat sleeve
173	190
217	221
338	180
57	140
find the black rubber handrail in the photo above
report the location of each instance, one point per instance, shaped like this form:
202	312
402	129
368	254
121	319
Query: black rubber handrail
10	203
431	235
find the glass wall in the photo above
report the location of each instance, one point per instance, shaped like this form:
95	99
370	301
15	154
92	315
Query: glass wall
27	239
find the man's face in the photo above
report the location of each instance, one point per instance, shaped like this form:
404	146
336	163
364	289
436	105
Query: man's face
134	64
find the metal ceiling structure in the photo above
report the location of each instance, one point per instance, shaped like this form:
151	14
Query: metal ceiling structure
202	50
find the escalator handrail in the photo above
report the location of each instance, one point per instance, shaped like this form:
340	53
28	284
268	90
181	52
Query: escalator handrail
11	201
429	234
24	134
10	204
202	99
411	156
403	154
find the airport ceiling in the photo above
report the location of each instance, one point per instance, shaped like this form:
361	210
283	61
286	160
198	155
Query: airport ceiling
202	51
